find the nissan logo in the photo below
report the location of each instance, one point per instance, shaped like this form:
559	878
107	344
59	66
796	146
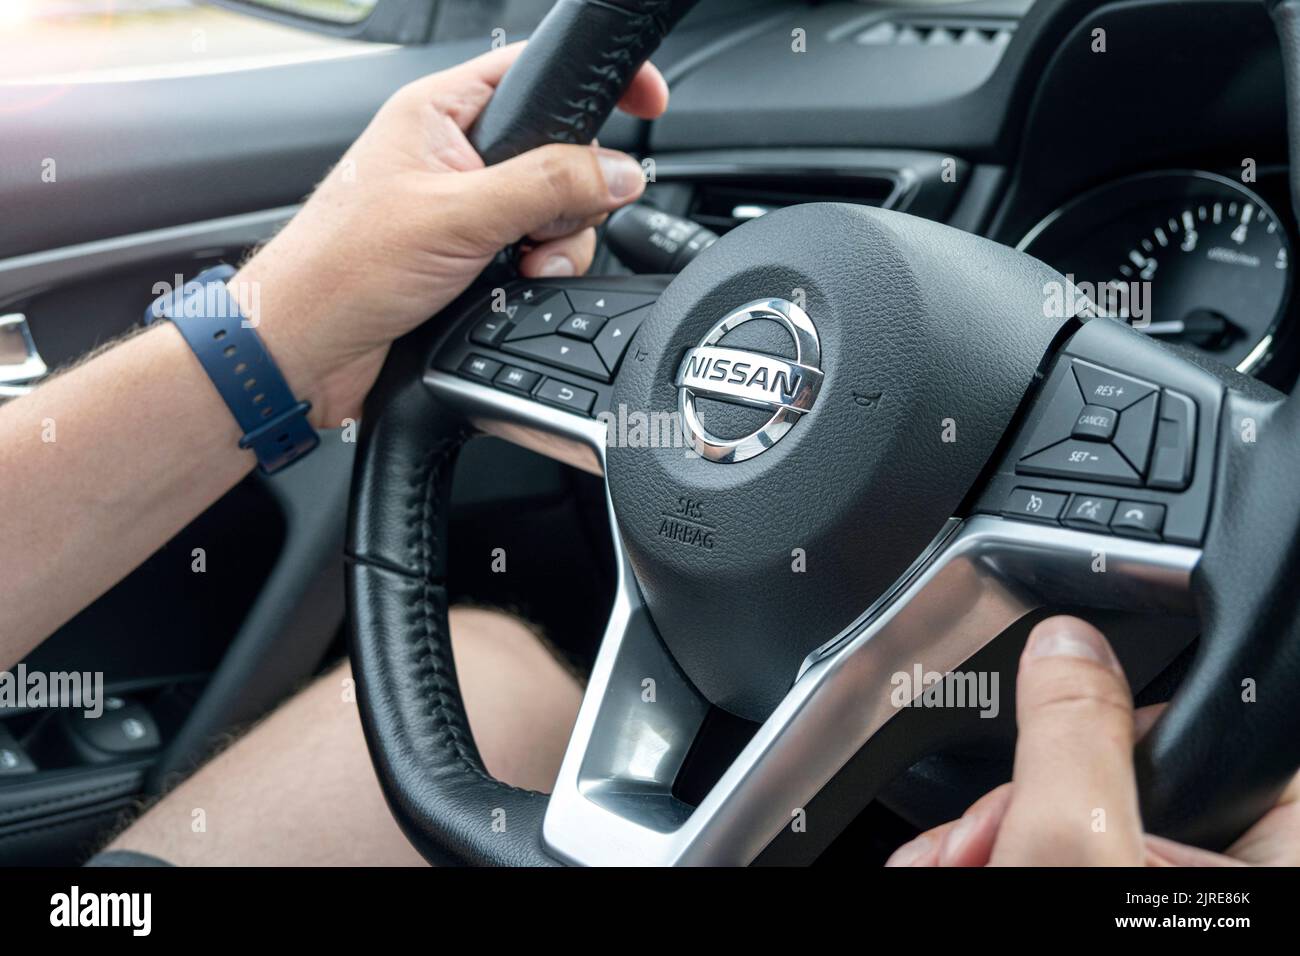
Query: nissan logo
786	388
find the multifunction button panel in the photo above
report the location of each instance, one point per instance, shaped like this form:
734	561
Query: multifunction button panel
583	331
1103	426
556	342
1133	519
1120	439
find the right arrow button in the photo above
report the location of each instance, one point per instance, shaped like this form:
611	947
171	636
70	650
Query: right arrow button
612	341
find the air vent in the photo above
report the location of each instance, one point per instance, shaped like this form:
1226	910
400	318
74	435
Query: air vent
955	31
723	204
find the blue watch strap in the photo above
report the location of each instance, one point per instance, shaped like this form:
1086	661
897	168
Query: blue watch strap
274	423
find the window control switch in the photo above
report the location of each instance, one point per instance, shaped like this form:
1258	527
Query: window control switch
124	728
13	759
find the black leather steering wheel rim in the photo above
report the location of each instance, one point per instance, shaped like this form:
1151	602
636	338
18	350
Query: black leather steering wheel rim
1195	785
410	700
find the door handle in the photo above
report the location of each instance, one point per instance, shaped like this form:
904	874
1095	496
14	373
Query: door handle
21	365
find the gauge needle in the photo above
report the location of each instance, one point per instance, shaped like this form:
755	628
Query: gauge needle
1202	327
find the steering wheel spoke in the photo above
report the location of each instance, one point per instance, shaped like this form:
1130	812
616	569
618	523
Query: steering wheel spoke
614	801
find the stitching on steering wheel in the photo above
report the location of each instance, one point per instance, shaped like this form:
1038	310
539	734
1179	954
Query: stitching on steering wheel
432	667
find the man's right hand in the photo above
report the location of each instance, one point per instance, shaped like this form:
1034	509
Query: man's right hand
1073	798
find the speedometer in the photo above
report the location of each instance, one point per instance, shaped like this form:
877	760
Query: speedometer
1191	257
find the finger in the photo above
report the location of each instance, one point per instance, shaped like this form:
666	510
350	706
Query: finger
1145	717
948	845
1275	839
568	256
462	91
560	228
971	841
1075	796
473	82
1170	853
533	189
647	95
1292	792
486	68
923	850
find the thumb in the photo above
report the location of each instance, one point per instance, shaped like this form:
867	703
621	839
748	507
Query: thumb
1075	796
577	184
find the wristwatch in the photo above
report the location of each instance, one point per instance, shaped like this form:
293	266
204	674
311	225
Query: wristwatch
274	423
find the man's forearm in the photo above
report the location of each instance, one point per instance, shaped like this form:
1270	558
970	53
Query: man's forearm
98	469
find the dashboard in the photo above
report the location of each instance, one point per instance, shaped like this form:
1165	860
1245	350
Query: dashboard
1186	255
1137	149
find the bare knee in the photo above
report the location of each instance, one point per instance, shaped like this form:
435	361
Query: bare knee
521	702
273	796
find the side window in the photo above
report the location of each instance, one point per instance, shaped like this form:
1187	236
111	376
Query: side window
81	41
466	19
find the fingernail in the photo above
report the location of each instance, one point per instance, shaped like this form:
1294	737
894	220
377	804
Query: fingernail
557	266
956	839
622	175
1063	637
910	853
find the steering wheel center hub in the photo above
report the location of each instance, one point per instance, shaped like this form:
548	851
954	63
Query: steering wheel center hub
811	358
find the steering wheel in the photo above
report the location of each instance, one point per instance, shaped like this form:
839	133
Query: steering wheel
889	454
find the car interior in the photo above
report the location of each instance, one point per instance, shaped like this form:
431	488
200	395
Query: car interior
893	189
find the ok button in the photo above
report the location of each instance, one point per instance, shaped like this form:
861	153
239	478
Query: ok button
1095	423
582	326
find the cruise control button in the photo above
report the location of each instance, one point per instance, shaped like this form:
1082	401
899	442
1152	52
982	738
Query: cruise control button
564	395
612	341
1088	460
1090	512
562	353
1034	505
1171	462
1103	387
477	366
1138	519
584	327
543	318
516	379
1137	425
608	304
490	331
1095	423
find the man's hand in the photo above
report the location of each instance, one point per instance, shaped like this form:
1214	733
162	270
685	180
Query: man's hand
1073	796
410	216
